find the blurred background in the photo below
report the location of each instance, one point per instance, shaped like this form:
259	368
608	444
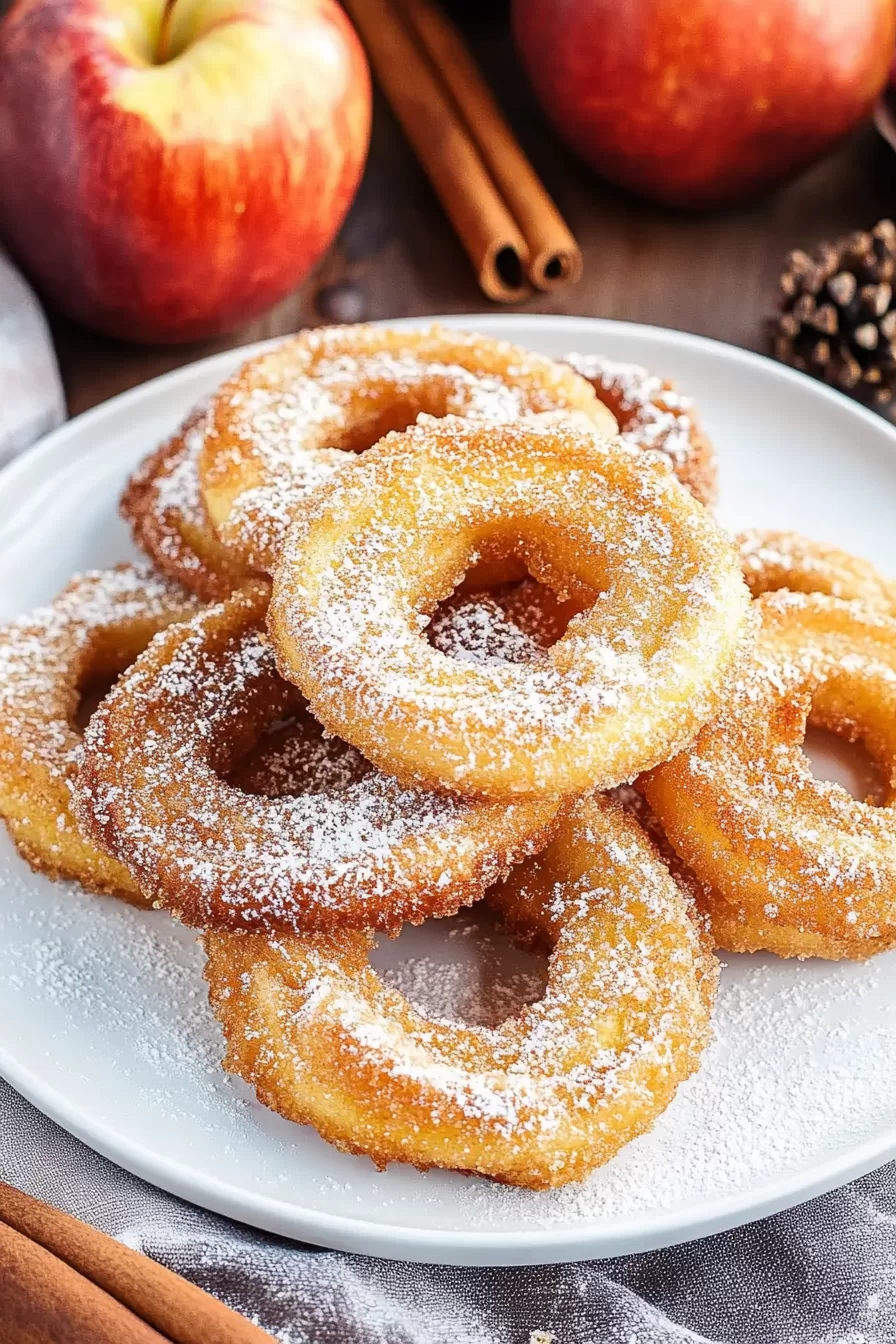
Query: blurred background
688	148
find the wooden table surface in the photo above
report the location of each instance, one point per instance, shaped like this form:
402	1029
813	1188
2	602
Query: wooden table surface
397	257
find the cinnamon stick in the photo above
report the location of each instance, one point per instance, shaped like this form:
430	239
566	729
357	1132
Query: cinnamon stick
445	148
44	1301
177	1310
554	255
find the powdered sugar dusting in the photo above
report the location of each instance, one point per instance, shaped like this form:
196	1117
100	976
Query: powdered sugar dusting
807	853
474	974
349	632
165	509
163	501
652	415
45	653
198	843
296	415
261	515
482	633
105	973
178	489
821	1042
799	1067
513	623
794	1069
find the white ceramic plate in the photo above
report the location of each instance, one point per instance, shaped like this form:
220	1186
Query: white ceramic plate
104	1022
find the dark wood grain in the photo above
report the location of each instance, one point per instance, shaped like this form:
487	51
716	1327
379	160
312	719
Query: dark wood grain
396	255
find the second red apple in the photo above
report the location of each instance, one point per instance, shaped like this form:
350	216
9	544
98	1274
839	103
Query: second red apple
702	103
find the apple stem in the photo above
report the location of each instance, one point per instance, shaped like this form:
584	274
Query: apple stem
164	39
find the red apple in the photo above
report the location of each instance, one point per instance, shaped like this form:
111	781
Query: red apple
166	181
703	103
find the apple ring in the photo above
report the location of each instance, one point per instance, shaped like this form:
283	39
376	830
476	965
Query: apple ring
152	791
163	505
96	626
538	1101
654	417
743	809
629	682
291	417
731	927
775	560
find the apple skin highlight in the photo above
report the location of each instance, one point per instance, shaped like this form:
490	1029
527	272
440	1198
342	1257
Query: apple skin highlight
704	103
173	202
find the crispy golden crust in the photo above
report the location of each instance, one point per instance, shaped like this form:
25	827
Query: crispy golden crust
539	1101
733	928
775	560
653	415
366	852
805	868
163	506
99	623
290	418
383	542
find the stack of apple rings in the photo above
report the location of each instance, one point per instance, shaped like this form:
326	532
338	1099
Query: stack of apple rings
425	626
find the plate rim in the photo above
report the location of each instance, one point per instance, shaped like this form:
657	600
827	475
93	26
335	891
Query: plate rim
641	1232
391	1241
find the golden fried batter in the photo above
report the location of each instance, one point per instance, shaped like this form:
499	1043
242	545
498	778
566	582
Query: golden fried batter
538	1101
97	625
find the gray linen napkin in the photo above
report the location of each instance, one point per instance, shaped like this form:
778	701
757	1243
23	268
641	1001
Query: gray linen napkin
31	400
821	1274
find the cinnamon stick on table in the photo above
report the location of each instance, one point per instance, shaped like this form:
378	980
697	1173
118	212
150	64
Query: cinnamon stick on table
43	1299
554	255
59	1260
429	117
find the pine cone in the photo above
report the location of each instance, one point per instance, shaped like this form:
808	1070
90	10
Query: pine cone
837	317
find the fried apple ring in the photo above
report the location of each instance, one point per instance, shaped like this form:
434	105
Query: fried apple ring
733	928
538	1101
654	417
775	560
163	505
291	417
787	851
386	539
96	626
152	790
